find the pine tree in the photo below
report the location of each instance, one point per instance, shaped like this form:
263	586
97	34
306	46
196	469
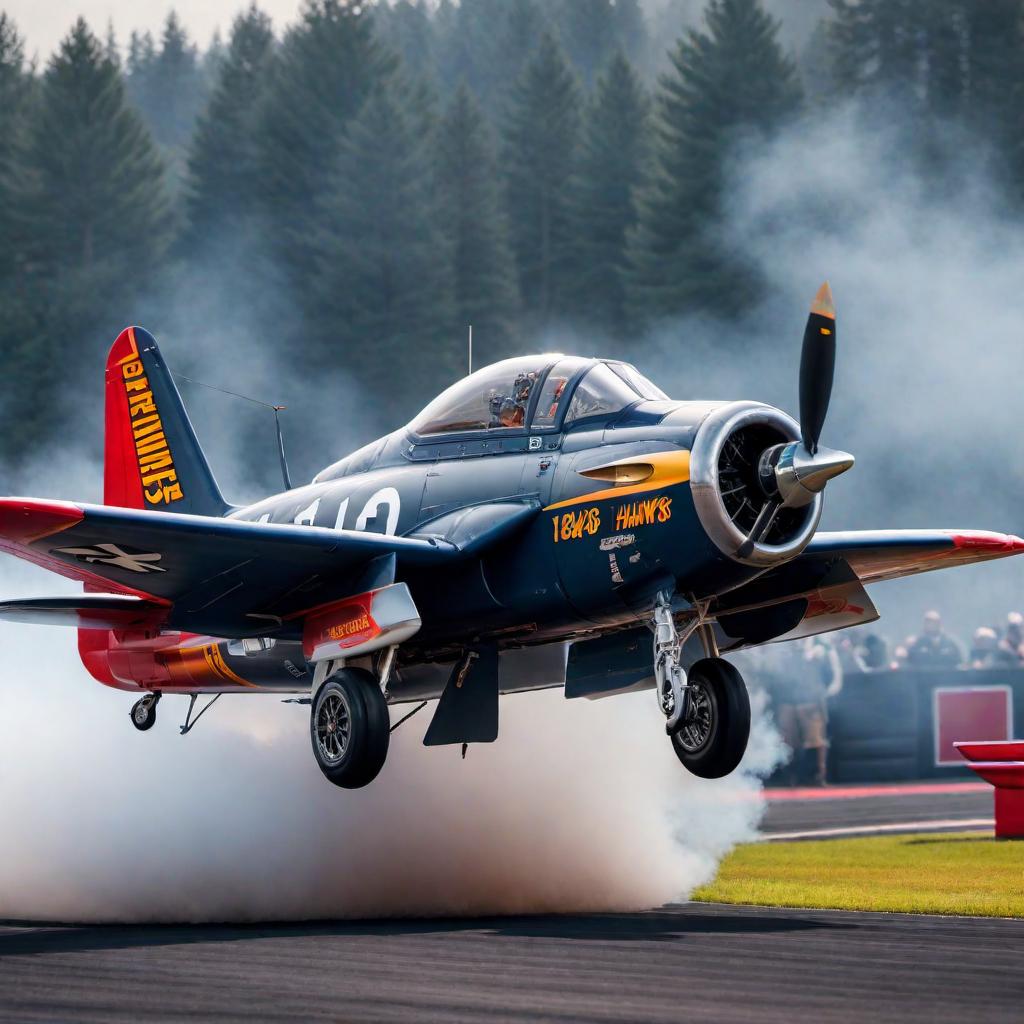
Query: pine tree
95	214
473	222
727	83
382	279
406	29
212	60
15	91
592	31
877	44
139	62
104	212
540	151
488	46
327	65
612	168
957	60
166	84
25	361
995	67
223	162
111	49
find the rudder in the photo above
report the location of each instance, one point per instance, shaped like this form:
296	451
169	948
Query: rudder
152	458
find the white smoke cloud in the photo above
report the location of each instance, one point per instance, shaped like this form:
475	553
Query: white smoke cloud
578	807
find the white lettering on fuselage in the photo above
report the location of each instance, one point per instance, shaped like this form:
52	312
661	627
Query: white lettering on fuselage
371	510
307	517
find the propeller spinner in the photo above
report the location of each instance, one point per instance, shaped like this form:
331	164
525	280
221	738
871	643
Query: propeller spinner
792	474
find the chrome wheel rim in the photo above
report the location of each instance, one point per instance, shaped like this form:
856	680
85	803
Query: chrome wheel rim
333	728
700	719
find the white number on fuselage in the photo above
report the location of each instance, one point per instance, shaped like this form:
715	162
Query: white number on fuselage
387	498
372	511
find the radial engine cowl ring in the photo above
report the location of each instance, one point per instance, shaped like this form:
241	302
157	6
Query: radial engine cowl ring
725	487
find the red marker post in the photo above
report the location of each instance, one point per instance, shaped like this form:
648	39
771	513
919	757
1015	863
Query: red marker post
1001	763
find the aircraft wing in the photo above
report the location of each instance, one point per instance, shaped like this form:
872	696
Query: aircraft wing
223	577
824	588
876	555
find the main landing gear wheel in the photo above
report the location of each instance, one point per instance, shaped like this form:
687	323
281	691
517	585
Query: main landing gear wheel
144	712
350	728
711	740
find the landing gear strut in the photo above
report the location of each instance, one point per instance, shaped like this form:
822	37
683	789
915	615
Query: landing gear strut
707	713
349	728
144	712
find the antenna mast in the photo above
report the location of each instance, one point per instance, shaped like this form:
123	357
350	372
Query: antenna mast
470	348
277	410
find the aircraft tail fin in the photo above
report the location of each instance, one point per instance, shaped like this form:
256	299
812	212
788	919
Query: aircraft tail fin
152	458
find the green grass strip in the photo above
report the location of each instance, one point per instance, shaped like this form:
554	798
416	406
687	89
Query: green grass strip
953	873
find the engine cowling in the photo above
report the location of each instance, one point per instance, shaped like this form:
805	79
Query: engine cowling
728	494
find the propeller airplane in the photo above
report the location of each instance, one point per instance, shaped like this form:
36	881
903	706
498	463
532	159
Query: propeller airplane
548	521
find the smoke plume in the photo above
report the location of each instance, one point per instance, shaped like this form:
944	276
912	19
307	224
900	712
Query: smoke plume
578	807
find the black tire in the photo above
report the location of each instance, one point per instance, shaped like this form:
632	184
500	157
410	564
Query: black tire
712	740
352	753
143	716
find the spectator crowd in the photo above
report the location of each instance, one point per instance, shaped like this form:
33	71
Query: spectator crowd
935	647
798	678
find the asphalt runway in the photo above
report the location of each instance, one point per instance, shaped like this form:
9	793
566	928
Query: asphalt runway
681	963
911	805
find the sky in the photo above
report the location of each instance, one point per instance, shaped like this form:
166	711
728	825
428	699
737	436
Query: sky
45	22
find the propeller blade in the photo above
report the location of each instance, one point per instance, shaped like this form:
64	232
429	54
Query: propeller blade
817	366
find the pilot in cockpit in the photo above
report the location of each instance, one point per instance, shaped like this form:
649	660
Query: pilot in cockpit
510	410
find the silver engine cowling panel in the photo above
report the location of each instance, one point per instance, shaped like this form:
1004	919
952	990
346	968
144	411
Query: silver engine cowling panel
726	495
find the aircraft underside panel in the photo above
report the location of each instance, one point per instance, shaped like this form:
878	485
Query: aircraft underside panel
519	670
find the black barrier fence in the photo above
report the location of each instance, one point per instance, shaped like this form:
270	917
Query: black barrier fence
894	726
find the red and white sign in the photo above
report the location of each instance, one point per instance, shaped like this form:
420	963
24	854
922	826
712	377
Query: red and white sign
961	714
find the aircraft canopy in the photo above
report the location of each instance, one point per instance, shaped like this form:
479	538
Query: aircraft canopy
532	391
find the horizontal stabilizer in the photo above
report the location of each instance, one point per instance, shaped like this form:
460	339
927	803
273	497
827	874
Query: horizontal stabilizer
86	611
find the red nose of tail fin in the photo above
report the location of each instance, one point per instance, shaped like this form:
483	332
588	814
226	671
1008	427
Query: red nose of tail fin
152	458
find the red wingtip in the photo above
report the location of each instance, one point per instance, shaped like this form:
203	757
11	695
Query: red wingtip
1003	542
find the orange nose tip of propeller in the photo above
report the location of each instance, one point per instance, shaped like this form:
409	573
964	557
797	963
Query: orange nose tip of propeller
822	304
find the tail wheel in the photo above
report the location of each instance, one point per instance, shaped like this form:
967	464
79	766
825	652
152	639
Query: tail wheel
350	728
711	740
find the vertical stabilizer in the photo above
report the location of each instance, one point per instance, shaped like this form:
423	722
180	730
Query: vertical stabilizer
152	459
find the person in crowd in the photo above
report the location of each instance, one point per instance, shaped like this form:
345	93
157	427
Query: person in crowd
984	652
872	654
933	647
810	674
1011	647
849	651
899	657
